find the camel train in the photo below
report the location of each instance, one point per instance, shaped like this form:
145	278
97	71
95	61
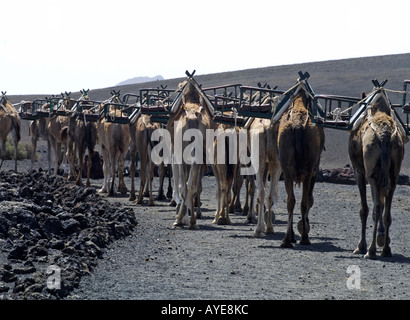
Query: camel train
284	137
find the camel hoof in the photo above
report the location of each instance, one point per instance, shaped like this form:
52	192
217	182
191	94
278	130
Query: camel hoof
286	244
223	221
386	253
371	256
269	230
193	226
258	234
300	227
359	251
305	241
160	197
132	197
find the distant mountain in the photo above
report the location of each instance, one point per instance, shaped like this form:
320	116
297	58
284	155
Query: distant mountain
140	80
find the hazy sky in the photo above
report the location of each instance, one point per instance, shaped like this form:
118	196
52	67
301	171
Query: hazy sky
50	46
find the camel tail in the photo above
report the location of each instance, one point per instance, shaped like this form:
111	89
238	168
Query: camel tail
91	136
298	140
16	125
64	133
229	166
385	162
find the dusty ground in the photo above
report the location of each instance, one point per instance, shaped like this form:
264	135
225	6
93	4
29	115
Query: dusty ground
160	261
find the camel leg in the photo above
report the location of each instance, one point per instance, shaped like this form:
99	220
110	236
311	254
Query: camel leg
251	217
161	171
79	179
150	178
386	251
289	236
377	212
106	170
261	225
33	155
364	211
176	200
132	172
272	198
218	193
169	191
113	158
122	188
245	208
2	151
89	164
199	191
192	188
304	208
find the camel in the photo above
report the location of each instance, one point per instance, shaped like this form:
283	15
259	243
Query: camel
9	122
81	135
54	127
225	172
37	130
376	150
192	113
262	130
144	129
298	145
115	140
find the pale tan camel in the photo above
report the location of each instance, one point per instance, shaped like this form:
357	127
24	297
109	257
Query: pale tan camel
193	113
9	122
299	145
144	129
225	171
262	130
376	151
115	140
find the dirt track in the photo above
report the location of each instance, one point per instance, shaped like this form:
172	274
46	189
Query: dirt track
160	261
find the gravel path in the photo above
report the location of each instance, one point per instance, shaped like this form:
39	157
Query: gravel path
159	261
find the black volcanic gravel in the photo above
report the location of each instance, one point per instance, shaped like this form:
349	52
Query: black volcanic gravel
48	222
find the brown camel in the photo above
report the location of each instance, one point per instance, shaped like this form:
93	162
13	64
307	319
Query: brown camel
376	151
37	130
115	140
82	136
299	146
9	122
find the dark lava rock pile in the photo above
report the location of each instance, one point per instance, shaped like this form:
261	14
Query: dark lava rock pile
52	232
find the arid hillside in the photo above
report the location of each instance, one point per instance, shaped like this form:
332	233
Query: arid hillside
341	77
